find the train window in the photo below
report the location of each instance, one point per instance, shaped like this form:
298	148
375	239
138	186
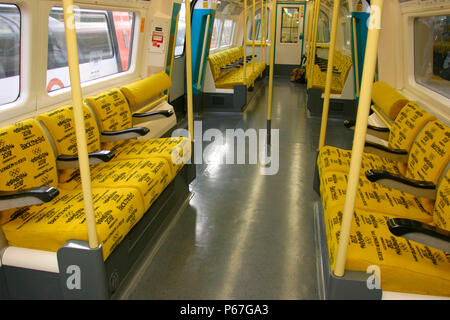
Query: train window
217	29
227	33
104	45
323	28
289	25
181	33
10	21
258	26
432	53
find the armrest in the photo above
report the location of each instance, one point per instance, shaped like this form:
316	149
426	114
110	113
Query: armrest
157	114
380	132
70	162
420	232
124	134
385	152
423	189
10	200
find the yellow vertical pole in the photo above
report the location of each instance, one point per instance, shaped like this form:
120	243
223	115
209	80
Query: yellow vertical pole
173	53
261	24
355	49
253	35
308	42
245	43
314	41
190	102
331	50
272	62
370	62
75	86
266	24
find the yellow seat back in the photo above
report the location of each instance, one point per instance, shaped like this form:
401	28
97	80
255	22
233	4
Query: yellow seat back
441	214
112	110
409	122
27	158
430	153
60	124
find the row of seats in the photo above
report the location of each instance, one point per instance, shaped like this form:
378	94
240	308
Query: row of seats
127	175
341	69
226	77
420	145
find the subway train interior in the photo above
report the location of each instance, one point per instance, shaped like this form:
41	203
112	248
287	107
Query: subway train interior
225	150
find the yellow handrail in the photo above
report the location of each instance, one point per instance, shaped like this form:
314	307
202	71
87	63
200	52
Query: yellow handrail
75	86
370	62
355	49
272	58
205	40
190	105
253	34
326	100
245	44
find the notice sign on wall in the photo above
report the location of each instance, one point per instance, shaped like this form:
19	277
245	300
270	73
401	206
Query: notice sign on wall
157	40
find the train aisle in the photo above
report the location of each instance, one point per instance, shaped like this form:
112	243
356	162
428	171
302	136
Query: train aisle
244	235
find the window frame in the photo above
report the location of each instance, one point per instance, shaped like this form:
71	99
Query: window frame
92	87
19	93
219	36
113	54
232	33
249	34
431	100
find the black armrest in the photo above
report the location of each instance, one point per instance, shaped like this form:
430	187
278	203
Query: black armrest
350	124
420	232
124	134
164	113
15	199
420	188
386	149
103	155
383	151
70	162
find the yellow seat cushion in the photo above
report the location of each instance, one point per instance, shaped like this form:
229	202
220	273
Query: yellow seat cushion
142	91
375	198
332	159
176	151
150	177
49	226
112	110
430	153
406	266
389	100
27	157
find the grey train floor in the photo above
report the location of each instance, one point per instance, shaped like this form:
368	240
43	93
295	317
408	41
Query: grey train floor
244	235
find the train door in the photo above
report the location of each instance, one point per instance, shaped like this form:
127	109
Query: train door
290	33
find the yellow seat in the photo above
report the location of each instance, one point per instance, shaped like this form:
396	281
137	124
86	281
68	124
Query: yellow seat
374	197
406	266
61	126
175	150
49	226
407	125
227	79
28	162
342	64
